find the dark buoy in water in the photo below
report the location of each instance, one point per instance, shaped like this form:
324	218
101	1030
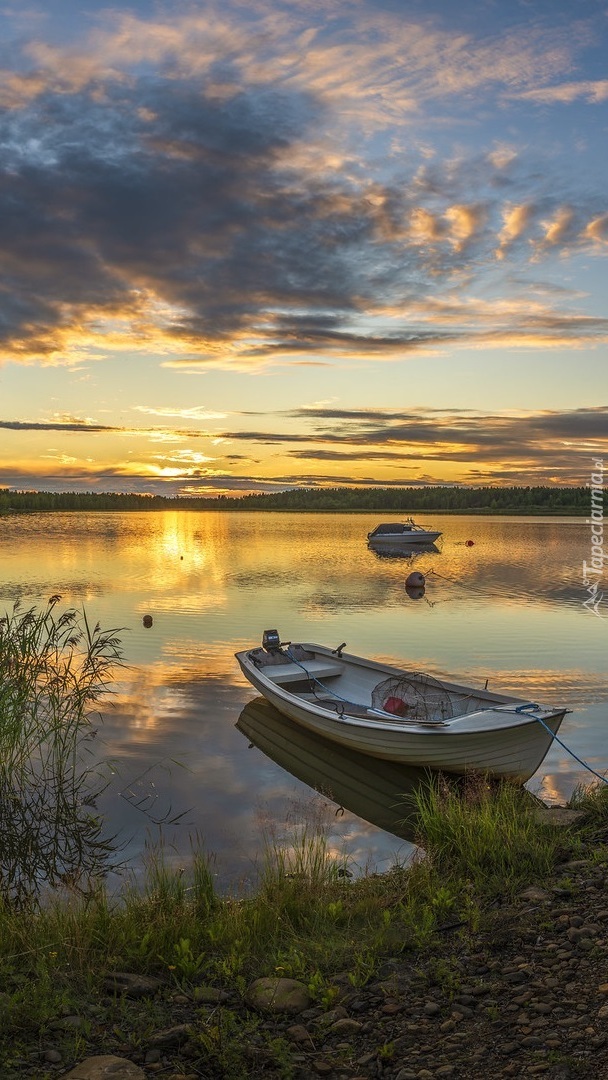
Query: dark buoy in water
470	543
415	592
147	620
415	580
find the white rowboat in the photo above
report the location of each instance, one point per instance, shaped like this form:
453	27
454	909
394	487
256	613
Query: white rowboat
401	716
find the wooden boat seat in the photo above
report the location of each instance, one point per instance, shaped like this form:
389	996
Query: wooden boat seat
288	673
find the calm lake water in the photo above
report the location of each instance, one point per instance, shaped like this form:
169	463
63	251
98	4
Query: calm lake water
508	609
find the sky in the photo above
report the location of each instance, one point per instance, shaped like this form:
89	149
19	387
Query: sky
248	247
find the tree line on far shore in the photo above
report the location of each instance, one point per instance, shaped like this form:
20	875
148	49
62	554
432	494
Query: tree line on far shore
398	501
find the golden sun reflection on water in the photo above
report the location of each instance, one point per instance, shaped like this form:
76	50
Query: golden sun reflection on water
507	609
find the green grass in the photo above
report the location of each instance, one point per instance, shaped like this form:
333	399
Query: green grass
486	833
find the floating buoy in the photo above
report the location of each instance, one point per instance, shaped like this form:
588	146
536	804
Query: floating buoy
147	620
415	580
470	543
415	592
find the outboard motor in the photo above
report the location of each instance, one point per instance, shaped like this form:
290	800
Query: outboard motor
271	640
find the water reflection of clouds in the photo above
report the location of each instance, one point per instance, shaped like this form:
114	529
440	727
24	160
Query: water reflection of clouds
349	841
508	608
173	738
573	687
522	563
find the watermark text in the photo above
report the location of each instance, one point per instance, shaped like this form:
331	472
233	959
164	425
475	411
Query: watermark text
593	571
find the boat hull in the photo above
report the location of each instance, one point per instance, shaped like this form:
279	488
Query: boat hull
512	747
403	539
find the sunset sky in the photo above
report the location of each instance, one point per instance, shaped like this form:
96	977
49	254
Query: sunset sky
249	247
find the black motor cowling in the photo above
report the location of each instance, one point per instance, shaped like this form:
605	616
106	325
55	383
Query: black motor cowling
271	640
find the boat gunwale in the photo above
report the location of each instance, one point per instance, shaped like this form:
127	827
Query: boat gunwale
399	725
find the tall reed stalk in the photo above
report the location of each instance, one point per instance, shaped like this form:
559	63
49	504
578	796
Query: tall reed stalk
54	668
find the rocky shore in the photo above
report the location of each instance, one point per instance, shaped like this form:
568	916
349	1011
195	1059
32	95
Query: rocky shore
524	995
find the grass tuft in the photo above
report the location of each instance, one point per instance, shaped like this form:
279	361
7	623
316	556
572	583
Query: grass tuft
485	832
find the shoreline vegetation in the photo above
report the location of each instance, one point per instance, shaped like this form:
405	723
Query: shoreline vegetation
166	976
532	501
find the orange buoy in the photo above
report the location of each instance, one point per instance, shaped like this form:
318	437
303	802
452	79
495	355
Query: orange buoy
470	543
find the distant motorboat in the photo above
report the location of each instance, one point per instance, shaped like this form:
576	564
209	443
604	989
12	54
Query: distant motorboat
401	716
400	533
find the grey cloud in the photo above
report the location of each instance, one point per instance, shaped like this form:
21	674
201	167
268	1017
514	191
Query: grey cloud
492	436
29	425
193	204
159	186
249	483
346	455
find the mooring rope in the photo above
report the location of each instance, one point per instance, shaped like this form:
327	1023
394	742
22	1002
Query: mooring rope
571	752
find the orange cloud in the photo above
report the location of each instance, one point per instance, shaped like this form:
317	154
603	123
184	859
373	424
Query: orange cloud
516	219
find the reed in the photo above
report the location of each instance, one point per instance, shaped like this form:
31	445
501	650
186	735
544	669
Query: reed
54	668
592	801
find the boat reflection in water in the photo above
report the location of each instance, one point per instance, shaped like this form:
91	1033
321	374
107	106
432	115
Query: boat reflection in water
406	551
374	790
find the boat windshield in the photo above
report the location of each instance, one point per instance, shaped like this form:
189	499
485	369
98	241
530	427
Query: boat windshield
397	527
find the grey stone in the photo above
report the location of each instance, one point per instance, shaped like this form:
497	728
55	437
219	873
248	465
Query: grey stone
561	815
106	1067
209	995
431	1008
170	1036
298	1034
322	1067
533	892
278	995
67	1023
337	1013
125	982
346	1027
